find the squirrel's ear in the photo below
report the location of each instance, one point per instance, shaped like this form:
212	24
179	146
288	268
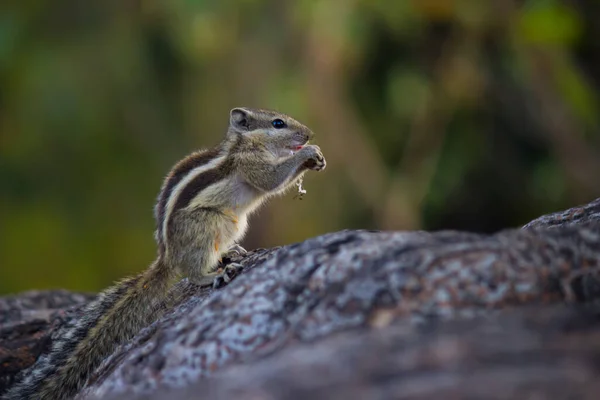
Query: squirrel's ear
239	119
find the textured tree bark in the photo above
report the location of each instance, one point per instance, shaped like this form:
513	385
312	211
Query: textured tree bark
358	314
27	322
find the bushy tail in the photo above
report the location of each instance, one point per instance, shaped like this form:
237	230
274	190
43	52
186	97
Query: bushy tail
114	317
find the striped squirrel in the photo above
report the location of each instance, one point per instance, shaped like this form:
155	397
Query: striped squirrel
201	212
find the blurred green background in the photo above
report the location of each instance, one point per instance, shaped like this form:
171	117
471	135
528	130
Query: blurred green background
433	114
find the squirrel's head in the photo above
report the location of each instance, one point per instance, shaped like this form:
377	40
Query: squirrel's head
279	133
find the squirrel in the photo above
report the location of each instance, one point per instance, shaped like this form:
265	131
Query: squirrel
201	212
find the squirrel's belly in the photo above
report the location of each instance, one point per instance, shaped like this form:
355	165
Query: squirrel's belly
231	230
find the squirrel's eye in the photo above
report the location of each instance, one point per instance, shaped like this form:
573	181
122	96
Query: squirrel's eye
278	124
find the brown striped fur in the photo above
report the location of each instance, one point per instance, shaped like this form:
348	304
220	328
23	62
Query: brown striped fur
180	169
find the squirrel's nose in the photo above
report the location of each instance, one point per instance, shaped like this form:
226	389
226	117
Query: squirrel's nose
302	136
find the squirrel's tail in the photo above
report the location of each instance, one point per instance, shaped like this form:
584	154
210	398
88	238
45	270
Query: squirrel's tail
114	317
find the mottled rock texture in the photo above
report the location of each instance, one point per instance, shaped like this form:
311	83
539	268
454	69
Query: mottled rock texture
359	314
28	323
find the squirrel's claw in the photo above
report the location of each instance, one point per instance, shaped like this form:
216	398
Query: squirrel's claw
230	271
234	251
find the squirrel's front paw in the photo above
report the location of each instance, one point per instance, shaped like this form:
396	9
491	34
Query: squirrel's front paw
230	271
316	162
235	252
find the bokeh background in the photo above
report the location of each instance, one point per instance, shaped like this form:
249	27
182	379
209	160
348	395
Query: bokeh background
433	114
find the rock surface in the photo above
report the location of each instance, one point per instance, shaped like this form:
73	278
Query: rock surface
534	353
27	322
359	314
